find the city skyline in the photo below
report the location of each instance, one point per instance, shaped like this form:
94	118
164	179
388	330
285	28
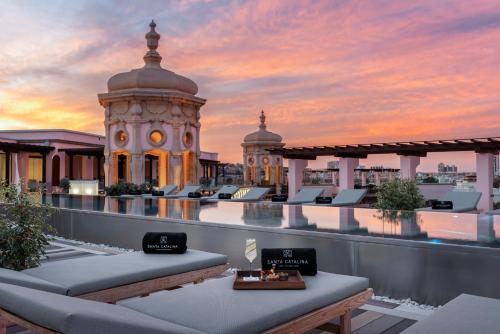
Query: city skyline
324	72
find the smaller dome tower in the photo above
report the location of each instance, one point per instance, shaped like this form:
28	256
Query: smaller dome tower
260	167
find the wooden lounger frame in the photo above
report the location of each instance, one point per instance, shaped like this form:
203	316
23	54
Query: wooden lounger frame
315	319
142	288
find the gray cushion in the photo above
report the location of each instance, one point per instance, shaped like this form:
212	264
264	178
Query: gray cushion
349	197
74	316
253	194
463	201
90	274
214	307
465	314
306	195
20	278
227	189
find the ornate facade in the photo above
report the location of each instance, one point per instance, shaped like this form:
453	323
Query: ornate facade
152	122
260	167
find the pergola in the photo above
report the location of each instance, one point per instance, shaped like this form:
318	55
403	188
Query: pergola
410	153
13	148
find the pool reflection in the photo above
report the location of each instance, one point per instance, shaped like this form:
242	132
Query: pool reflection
471	229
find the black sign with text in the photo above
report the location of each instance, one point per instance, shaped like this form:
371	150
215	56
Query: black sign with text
164	243
301	259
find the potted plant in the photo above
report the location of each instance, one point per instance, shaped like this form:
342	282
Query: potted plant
65	185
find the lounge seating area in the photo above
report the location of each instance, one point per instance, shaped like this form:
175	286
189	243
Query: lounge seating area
462	201
346	197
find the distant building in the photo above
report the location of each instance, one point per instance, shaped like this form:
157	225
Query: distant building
447	169
334	164
496	165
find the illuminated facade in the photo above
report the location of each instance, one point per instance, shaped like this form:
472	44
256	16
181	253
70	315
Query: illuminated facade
260	167
152	124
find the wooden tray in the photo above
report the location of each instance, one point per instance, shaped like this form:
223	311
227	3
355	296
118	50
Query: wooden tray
295	281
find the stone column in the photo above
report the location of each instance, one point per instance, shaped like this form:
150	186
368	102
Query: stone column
295	175
48	170
363	179
408	166
484	183
377	178
108	156
347	166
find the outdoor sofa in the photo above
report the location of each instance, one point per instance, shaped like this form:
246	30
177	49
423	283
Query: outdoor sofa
306	195
466	314
211	307
463	201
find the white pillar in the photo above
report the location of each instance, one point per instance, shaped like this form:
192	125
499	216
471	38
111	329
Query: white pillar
484	183
295	175
408	166
377	178
346	173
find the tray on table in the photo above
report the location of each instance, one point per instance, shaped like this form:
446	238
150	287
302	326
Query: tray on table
294	282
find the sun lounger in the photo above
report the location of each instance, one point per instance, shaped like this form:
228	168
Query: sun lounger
465	314
347	197
211	307
254	194
463	201
184	192
111	278
227	189
167	190
306	195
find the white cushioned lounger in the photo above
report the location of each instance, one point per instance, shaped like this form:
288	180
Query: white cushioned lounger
227	189
466	314
184	192
348	197
463	201
211	307
167	190
254	194
306	195
86	275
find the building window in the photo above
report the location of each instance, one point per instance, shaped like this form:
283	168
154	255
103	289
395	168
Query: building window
35	169
187	139
156	137
121	138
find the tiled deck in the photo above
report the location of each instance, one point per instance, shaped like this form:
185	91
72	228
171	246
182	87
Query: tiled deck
375	317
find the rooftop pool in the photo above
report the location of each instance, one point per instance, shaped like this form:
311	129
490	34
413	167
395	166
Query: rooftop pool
432	227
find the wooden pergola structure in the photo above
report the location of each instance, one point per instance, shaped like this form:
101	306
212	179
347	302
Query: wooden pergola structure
410	148
8	148
410	153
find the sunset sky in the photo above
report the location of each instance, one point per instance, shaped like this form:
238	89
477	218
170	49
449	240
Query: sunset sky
325	72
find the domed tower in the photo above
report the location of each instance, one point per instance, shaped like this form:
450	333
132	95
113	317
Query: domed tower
152	121
260	167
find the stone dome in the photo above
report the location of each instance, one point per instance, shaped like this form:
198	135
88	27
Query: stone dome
152	75
262	136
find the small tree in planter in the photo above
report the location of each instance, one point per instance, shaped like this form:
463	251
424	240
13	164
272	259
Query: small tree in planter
397	199
23	222
65	185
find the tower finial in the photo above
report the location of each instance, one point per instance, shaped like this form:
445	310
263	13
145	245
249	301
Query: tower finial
152	57
262	117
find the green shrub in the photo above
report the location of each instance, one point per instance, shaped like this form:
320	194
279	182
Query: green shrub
430	179
399	195
146	188
23	220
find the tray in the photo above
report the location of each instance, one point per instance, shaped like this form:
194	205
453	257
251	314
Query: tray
295	281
